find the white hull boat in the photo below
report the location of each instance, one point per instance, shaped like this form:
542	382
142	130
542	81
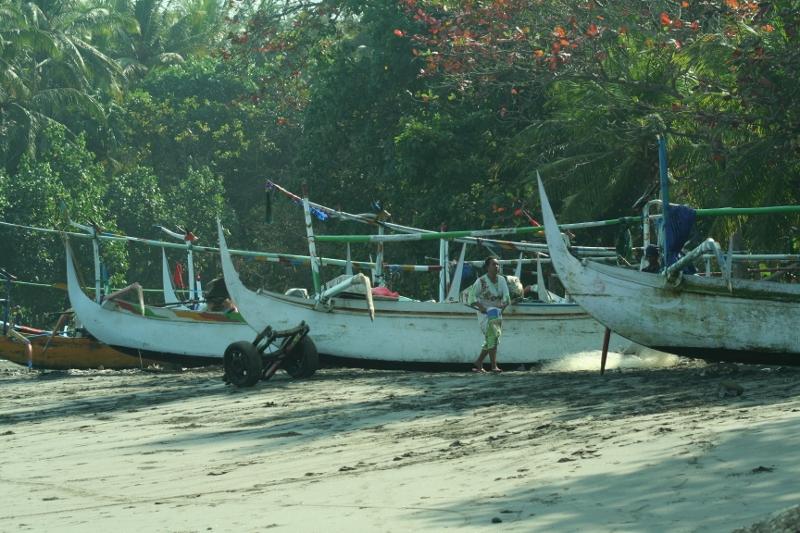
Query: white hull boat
411	332
694	316
175	335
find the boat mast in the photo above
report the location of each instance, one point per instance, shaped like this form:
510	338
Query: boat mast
663	174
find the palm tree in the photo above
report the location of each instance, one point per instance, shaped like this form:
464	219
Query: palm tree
168	31
50	71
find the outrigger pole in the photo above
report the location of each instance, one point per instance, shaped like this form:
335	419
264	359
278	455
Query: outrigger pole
269	257
478	237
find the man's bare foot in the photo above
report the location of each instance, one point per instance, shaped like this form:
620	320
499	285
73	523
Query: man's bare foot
478	370
497	369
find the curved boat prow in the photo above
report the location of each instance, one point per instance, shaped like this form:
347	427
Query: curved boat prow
74	291
563	261
232	281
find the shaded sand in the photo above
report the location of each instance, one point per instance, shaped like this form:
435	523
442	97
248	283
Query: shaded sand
654	449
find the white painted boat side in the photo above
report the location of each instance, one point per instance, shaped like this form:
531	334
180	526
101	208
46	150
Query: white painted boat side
418	332
166	331
695	313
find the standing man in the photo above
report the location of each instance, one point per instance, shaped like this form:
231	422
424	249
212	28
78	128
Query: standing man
489	295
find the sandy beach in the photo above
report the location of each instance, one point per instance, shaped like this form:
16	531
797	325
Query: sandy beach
665	444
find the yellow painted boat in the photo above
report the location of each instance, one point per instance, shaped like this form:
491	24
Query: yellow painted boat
67	352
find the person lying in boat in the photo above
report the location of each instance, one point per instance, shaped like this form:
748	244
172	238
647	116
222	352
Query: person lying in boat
651	257
225	305
217	298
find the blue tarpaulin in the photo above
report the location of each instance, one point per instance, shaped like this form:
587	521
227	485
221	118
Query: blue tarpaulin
677	230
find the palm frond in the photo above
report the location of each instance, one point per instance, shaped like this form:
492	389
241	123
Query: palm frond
51	101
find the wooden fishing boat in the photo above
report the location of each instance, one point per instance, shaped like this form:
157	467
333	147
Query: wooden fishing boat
62	353
417	332
183	336
701	317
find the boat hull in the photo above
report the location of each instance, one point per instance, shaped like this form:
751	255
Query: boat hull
65	353
749	321
174	335
419	332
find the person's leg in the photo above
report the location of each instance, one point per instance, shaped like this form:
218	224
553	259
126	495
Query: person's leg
478	364
495	329
493	357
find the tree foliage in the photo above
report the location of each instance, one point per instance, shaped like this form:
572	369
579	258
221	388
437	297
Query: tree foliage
142	112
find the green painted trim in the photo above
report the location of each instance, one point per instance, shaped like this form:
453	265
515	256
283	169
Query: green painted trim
733	211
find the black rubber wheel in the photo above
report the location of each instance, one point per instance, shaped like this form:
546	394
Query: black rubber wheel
243	366
303	360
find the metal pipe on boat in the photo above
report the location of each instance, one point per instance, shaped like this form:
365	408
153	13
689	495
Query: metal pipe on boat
737	211
645	228
727	267
708	245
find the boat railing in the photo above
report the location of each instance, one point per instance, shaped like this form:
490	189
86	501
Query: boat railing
710	249
648	218
707	246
